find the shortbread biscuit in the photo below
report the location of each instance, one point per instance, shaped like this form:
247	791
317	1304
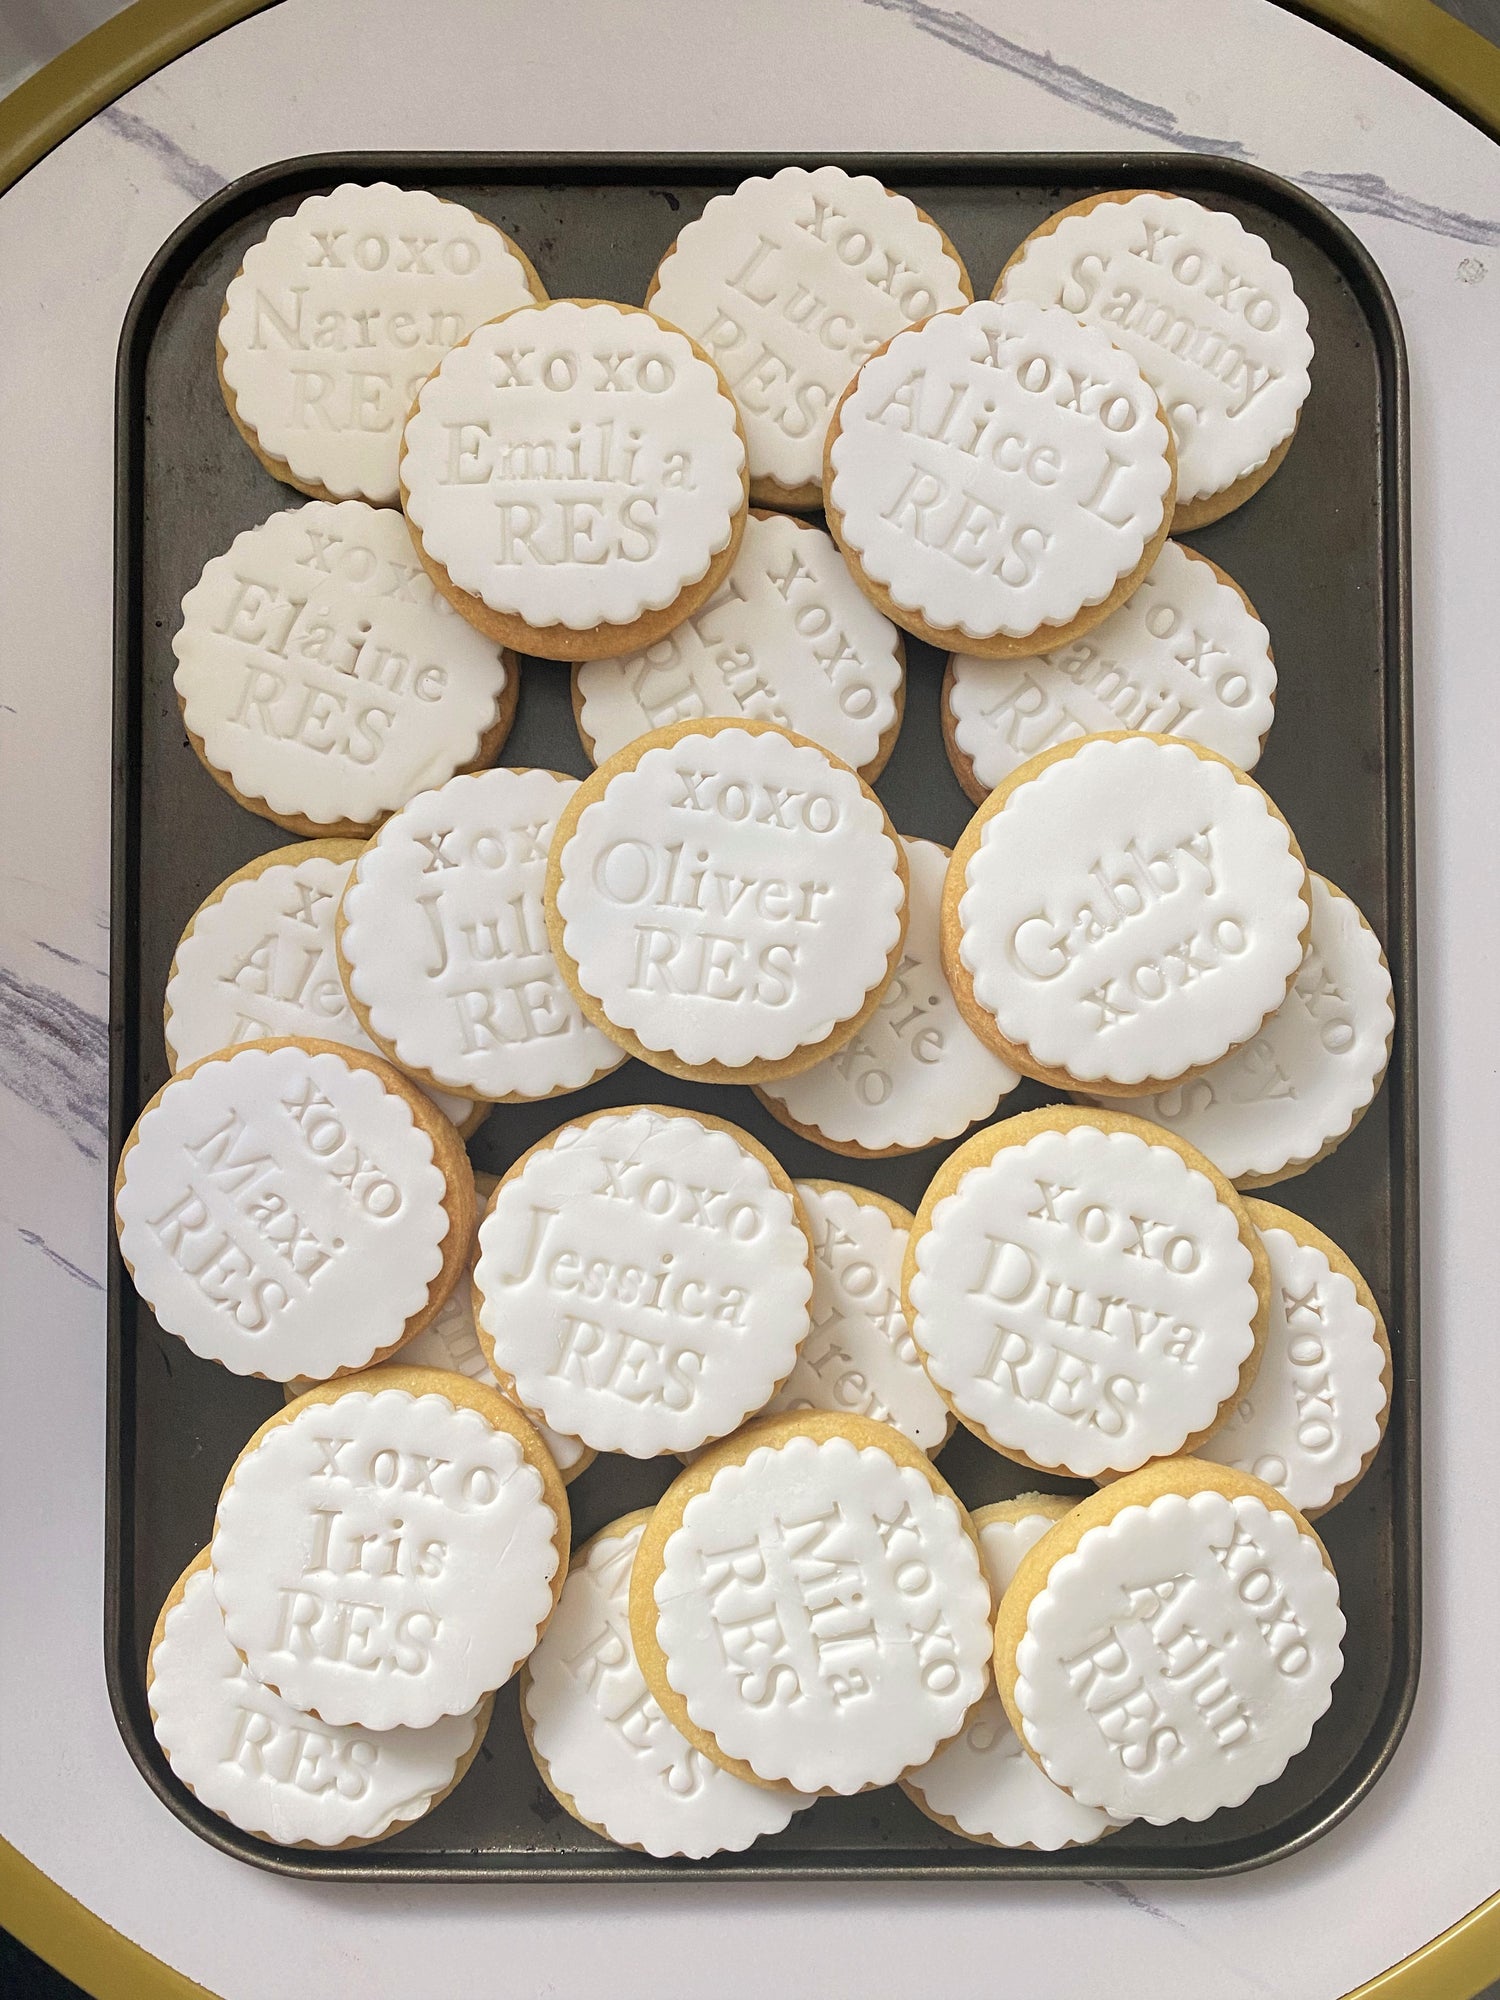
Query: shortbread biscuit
1214	321
338	315
1087	1292
999	478
727	901
603	1747
643	1279
323	681
293	1207
916	1073
1285	1099
257	960
388	1549
450	1341
859	1354
268	1768
574	477
1170	1645
1185	655
981	1783
790	283
1312	1420
808	1605
443	947
788	637
1122	912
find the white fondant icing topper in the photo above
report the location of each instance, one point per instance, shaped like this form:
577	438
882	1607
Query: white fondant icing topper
339	314
603	1742
1291	1092
788	637
1130	911
1084	1299
322	672
859	1354
1214	321
281	1212
1315	1411
999	469
732	897
1179	1657
258	960
574	464
916	1072
386	1558
823	1615
272	1770
643	1279
445	942
981	1780
1183	656
790	283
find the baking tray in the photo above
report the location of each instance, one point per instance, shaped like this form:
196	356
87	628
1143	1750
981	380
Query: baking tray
1323	553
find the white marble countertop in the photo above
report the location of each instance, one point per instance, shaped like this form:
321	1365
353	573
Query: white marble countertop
1422	188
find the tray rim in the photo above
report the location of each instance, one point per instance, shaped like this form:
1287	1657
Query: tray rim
305	173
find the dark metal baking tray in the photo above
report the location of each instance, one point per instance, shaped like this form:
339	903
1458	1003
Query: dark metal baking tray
1322	551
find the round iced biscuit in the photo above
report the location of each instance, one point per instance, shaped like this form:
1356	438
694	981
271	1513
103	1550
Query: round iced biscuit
574	477
981	1783
1086	1291
1313	1418
1283	1100
643	1279
450	1341
859	1354
808	1606
338	315
389	1548
1213	320
323	681
916	1073
603	1747
790	283
1169	1646
999	479
1185	655
788	637
257	960
293	1207
443	948
727	901
1122	912
271	1770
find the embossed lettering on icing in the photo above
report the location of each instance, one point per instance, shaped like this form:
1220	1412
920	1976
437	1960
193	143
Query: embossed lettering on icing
1131	911
379	1556
644	1281
822	1629
998	469
739	872
322	671
1084	1298
282	1212
1183	1659
573	464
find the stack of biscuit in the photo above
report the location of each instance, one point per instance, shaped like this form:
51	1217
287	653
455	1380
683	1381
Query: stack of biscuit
713	523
